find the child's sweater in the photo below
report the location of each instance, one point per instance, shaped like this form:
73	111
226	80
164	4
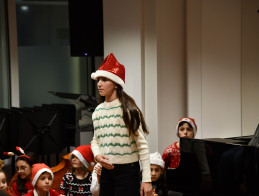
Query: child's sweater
111	138
50	193
72	186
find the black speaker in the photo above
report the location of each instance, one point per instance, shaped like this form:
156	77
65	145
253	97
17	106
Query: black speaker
86	27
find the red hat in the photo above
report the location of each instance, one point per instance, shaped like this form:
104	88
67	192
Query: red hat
84	154
37	170
189	120
112	69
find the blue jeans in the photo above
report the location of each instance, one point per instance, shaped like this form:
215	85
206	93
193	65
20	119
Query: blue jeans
124	180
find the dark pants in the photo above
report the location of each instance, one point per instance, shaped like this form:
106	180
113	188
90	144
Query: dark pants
124	180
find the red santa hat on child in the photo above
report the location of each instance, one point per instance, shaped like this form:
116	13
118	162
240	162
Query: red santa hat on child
156	159
84	154
111	69
37	170
189	120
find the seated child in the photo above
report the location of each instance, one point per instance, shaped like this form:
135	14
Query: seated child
23	166
3	181
157	167
42	179
186	127
78	181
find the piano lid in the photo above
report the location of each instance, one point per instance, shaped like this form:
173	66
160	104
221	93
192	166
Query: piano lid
79	100
216	166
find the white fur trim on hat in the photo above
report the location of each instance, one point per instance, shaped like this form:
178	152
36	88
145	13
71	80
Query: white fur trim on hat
80	157
189	120
37	175
107	74
156	159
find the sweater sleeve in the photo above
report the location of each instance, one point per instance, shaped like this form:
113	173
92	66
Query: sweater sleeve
143	150
166	158
95	145
95	186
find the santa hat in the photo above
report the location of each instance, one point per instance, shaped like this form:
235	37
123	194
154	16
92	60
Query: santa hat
84	154
111	69
189	120
37	170
156	159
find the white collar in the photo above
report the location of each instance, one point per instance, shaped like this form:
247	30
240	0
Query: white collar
36	194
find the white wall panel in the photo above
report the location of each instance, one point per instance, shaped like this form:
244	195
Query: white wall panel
122	36
250	66
221	68
171	68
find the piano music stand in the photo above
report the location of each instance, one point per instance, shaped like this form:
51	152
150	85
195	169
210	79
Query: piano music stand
85	106
39	131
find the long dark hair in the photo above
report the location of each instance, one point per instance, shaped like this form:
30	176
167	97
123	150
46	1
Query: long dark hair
21	182
132	115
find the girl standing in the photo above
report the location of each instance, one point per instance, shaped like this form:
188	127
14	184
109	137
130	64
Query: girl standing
119	135
78	182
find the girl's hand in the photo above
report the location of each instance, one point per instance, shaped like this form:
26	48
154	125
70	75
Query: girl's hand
146	189
104	161
154	193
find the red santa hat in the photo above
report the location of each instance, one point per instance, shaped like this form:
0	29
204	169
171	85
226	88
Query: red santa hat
37	170
84	154
156	159
111	69
189	120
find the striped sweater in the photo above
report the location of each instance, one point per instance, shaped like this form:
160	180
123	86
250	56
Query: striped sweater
111	138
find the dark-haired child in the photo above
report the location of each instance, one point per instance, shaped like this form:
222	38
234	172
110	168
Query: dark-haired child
42	180
22	185
119	135
157	168
186	127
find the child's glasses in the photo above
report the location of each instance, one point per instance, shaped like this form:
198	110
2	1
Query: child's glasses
22	169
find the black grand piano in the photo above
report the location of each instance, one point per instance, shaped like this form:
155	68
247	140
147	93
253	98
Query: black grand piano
217	167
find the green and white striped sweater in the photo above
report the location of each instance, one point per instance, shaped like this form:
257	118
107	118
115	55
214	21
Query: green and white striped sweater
111	138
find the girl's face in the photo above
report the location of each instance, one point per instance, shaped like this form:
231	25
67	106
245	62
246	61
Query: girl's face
156	172
23	169
44	182
3	182
107	88
186	131
75	162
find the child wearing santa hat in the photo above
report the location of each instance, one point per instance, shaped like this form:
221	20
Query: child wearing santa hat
119	141
186	127
157	165
42	180
78	182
